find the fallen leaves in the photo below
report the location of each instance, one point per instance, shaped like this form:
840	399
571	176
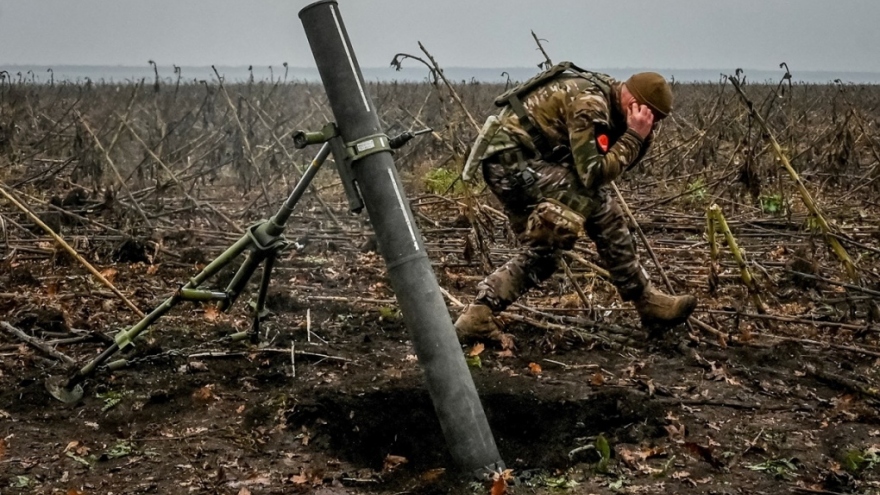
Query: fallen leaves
109	274
535	368
635	459
393	462
432	475
79	453
205	394
704	453
499	482
676	432
299	479
499	486
211	313
306	478
719	373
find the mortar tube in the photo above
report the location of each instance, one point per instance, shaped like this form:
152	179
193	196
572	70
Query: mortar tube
448	378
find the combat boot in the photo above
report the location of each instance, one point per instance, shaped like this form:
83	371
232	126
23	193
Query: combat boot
662	310
477	322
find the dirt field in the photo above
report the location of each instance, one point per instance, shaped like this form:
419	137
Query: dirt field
586	403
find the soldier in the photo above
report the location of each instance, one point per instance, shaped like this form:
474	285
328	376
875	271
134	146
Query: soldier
549	157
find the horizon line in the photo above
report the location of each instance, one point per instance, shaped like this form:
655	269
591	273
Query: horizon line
263	67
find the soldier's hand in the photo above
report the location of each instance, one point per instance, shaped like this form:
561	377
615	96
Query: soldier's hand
640	119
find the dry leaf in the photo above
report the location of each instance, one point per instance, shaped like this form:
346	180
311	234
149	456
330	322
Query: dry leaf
629	458
299	479
152	269
704	453
477	349
499	485
204	394
507	342
211	313
675	432
244	491
634	458
392	462
535	368
2	449
433	475
109	274
597	379
505	353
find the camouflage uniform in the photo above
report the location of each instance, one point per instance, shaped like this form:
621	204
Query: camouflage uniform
592	146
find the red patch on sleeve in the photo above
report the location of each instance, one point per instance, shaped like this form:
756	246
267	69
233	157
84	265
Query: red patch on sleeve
602	141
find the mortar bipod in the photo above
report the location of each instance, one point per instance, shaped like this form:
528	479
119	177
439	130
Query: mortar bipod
265	242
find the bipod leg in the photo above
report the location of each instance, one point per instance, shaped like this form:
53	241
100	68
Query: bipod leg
242	276
266	240
260	309
70	390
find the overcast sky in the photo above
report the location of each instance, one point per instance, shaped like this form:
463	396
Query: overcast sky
840	35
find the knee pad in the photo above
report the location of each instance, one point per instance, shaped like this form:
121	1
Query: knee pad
553	224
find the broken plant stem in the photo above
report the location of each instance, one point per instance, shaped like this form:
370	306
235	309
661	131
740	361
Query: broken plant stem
244	139
201	206
452	91
717	221
113	167
470	202
547	62
644	239
592	266
577	286
35	343
67	247
811	205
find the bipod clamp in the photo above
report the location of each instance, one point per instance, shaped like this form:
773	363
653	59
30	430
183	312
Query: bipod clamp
346	154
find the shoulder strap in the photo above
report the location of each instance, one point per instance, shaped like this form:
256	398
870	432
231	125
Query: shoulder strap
513	97
521	89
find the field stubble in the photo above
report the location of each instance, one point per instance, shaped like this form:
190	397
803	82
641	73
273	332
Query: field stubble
149	182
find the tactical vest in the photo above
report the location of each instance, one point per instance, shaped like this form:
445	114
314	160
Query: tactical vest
514	96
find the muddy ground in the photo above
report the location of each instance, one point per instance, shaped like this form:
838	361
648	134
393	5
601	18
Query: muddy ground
771	408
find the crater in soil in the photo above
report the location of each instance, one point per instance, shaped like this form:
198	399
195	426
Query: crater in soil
532	431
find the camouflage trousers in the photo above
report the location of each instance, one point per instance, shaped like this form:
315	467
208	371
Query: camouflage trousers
605	224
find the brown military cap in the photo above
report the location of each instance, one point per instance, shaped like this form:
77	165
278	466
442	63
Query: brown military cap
651	89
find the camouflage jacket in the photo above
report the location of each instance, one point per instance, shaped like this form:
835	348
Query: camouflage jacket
574	112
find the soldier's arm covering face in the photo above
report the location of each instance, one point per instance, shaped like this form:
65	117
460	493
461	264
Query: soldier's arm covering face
646	145
590	118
